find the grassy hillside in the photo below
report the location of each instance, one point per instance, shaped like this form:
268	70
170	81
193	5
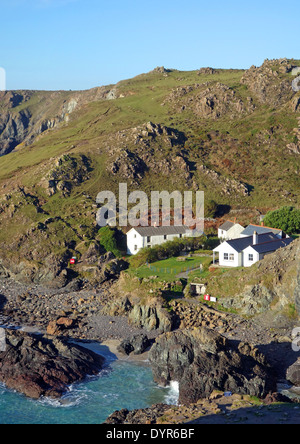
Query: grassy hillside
231	133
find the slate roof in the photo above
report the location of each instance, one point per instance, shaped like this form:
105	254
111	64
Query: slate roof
161	231
272	246
249	231
227	225
244	242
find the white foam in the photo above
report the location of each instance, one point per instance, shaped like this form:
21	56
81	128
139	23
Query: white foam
172	397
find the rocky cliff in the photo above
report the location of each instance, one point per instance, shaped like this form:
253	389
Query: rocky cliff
202	360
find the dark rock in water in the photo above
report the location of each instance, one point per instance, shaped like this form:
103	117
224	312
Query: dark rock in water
137	344
202	361
37	366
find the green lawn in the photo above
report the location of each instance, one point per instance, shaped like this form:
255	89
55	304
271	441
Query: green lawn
170	269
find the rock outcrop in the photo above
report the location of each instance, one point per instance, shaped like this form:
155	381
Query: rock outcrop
202	360
142	416
67	172
268	82
132	151
137	345
293	373
151	317
37	366
209	101
294	147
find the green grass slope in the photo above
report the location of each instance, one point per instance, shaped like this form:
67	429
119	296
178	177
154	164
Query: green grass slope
232	133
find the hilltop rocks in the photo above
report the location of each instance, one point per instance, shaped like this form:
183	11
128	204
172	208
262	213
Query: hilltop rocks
209	100
202	361
161	70
37	366
132	151
207	71
267	82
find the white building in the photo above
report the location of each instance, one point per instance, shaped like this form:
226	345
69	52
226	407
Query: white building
230	230
246	251
143	237
261	229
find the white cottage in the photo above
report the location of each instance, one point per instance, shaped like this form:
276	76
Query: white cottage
143	237
230	230
255	253
246	251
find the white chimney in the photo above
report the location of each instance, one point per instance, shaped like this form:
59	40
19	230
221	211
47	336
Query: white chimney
255	238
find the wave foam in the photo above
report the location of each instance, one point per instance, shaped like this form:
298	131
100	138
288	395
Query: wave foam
172	397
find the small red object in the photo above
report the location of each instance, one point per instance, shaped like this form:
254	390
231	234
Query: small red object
72	261
207	297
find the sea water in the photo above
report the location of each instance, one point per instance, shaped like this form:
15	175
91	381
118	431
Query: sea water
121	384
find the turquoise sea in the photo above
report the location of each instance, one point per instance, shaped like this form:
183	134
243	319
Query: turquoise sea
121	384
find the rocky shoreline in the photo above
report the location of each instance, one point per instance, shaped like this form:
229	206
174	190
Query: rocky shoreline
203	339
37	366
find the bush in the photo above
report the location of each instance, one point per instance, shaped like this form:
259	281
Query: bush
286	219
107	238
211	243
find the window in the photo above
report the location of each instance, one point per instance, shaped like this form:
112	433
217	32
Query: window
251	258
165	237
135	248
180	236
148	239
134	236
231	257
228	257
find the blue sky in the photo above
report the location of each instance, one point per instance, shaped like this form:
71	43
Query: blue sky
79	44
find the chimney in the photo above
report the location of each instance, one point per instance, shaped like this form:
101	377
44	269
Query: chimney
255	238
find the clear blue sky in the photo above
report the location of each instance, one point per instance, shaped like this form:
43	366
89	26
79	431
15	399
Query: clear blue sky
79	44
